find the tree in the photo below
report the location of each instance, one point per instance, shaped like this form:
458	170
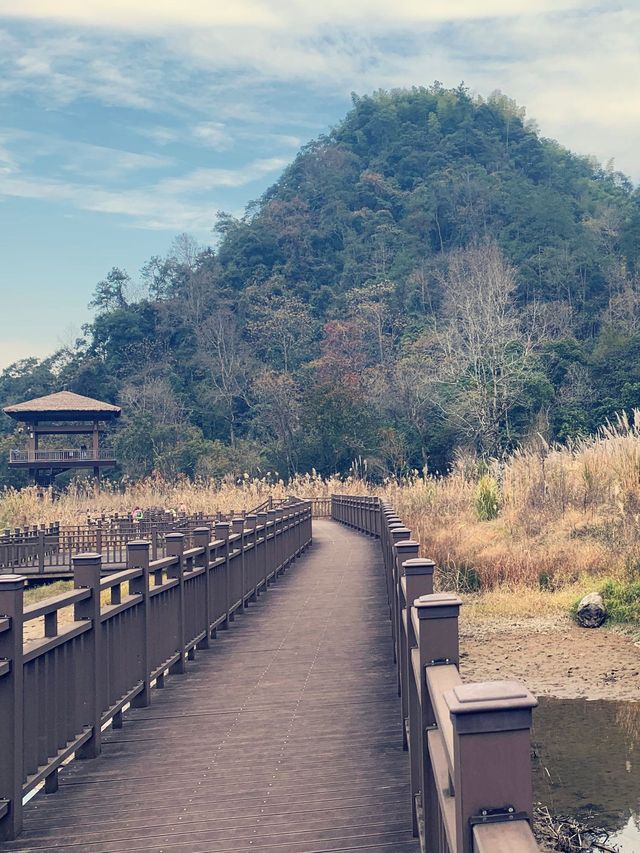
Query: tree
283	329
223	355
111	293
277	416
370	307
486	358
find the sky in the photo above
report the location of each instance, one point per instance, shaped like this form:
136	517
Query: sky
124	123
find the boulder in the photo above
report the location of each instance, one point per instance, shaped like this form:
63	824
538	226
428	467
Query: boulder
591	611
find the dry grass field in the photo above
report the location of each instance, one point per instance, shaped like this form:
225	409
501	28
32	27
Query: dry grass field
535	530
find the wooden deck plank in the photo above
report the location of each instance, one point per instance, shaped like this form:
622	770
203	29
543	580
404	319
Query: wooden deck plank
284	736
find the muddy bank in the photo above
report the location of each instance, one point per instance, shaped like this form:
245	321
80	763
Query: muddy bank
552	656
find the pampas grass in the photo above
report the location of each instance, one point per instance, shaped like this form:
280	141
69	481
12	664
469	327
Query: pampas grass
563	514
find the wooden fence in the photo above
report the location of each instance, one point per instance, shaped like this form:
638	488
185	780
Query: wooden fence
469	744
49	550
57	692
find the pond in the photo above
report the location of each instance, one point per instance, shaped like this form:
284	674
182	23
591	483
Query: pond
587	764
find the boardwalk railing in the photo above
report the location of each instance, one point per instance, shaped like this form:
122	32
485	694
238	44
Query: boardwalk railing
50	548
57	692
469	744
321	507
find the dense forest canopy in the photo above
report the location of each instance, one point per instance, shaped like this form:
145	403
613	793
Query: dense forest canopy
432	274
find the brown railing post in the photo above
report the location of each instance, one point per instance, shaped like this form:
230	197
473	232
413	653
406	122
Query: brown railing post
99	536
86	575
406	549
202	539
41	538
261	569
222	533
237	527
175	548
251	522
397	534
280	541
419	581
11	705
271	545
492	763
437	644
138	558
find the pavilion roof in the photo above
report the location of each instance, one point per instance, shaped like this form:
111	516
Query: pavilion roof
63	405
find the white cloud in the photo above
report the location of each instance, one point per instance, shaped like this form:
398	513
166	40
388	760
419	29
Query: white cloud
154	16
212	134
166	205
204	70
205	180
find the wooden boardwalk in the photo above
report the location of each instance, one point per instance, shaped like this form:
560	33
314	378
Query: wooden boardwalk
284	736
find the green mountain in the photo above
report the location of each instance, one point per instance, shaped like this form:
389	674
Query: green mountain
430	275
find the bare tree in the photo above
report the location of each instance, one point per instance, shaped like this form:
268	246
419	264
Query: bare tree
278	408
623	310
486	354
370	307
223	354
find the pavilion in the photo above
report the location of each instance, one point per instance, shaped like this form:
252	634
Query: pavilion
62	414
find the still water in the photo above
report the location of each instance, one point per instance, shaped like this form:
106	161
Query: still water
587	764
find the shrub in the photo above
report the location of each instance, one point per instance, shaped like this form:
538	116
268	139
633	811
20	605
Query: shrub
486	499
622	601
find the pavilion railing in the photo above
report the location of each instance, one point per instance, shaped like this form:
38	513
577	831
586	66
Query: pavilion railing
469	744
57	692
71	454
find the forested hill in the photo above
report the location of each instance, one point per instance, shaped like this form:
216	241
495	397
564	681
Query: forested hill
432	274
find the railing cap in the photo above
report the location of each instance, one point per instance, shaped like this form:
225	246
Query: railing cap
406	544
88	557
438	605
485	695
418	566
138	543
174	536
12	581
490	706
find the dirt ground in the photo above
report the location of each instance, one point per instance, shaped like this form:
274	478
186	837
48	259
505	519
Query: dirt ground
552	657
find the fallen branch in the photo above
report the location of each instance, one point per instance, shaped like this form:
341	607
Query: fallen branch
568	835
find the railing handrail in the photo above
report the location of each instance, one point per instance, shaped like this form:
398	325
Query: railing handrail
159	613
54	545
62	454
469	744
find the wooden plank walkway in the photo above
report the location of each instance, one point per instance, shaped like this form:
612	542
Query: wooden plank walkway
284	736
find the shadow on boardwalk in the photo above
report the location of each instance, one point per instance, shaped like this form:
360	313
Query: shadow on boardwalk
284	736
